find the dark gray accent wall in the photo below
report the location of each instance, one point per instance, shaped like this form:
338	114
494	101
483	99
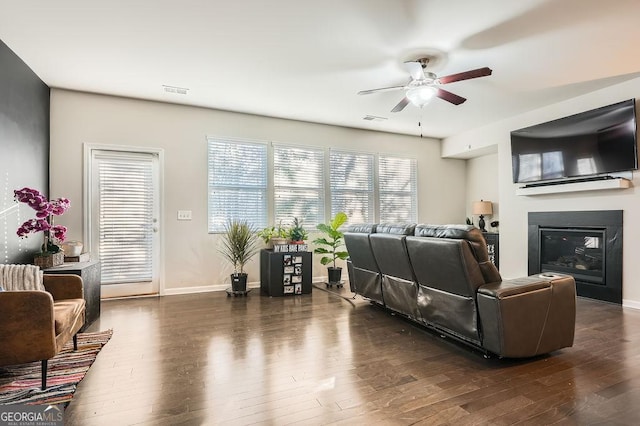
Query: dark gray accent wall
24	151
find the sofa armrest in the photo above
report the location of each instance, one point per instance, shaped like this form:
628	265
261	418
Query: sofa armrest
528	316
63	286
27	327
506	288
489	272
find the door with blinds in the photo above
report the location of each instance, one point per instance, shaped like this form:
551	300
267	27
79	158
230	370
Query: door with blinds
124	220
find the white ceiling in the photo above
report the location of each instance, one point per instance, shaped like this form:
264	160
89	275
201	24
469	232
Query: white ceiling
306	60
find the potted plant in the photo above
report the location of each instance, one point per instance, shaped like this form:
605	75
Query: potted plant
239	245
273	235
51	253
297	234
330	245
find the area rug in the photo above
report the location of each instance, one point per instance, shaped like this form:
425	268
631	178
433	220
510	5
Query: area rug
20	384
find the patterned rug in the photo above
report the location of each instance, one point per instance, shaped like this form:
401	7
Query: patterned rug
20	384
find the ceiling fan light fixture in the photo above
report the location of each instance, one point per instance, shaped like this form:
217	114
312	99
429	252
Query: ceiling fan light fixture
420	96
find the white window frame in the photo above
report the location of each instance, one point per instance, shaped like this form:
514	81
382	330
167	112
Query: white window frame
371	191
320	189
229	141
326	192
413	193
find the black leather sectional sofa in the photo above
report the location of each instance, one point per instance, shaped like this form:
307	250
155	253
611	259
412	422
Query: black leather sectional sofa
440	276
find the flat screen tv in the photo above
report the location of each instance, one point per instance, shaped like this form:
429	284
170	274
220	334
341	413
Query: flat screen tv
589	144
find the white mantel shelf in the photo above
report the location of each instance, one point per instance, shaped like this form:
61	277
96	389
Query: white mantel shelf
618	183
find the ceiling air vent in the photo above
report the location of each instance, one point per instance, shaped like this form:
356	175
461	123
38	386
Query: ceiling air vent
174	89
373	118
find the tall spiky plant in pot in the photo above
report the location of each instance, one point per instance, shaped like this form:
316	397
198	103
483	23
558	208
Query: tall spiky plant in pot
239	244
329	246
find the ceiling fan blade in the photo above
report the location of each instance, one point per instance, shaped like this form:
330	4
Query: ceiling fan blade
450	97
382	89
480	72
403	103
415	69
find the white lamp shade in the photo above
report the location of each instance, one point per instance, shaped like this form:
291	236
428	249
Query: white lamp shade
482	207
421	95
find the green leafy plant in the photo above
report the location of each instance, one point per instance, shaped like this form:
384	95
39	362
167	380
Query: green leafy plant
332	241
271	232
239	243
297	232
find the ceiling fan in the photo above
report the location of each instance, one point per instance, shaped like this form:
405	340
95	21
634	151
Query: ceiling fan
424	85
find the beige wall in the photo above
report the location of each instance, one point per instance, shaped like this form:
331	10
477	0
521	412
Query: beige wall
514	208
191	262
482	184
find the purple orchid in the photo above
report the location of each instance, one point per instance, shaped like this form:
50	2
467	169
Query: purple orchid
45	210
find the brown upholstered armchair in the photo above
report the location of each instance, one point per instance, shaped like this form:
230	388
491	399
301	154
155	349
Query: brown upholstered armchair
35	325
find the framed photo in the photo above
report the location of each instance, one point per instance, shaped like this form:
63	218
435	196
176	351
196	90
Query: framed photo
288	289
297	269
288	270
296	279
286	259
286	280
297	259
297	288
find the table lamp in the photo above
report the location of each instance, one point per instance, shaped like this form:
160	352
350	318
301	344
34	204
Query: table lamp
482	208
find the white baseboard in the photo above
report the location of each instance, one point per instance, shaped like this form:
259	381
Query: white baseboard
218	287
633	304
203	289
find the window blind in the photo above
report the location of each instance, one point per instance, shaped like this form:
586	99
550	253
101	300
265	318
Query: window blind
126	218
237	183
298	180
397	180
352	185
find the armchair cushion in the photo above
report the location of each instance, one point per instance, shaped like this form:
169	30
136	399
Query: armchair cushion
65	313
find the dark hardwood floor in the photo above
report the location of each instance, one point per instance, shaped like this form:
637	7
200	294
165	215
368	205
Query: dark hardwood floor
318	359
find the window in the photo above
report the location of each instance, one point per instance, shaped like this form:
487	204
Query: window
298	184
367	187
397	181
237	182
352	185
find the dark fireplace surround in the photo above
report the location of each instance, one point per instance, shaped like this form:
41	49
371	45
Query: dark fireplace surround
585	244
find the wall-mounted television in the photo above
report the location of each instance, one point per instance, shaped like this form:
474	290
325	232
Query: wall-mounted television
589	144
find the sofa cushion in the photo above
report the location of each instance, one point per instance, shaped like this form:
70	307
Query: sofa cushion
396	228
458	232
65	312
362	228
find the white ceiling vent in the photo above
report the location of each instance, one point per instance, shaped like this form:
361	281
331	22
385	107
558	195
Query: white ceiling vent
373	118
174	89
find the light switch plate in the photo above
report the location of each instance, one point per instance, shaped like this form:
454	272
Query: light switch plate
184	214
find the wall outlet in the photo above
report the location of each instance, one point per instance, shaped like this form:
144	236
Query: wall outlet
184	214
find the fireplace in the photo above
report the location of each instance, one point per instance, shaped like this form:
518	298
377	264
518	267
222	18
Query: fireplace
585	244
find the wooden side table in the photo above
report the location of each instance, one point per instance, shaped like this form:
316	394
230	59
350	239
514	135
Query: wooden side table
90	274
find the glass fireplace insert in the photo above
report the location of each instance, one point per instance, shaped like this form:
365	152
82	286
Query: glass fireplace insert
579	252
